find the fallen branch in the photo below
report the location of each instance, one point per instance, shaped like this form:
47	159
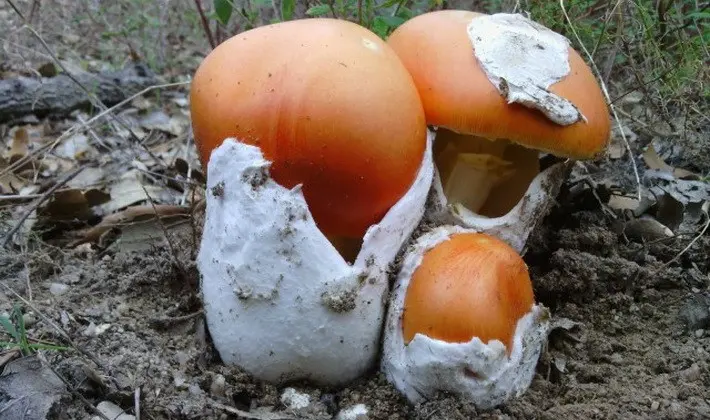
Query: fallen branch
60	95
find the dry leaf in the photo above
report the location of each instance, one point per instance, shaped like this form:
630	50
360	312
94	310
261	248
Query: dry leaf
142	103
67	205
616	150
654	161
9	182
159	120
20	145
646	228
75	147
130	190
131	214
29	389
621	202
89	177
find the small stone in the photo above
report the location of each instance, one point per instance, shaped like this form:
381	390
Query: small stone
616	359
112	411
94	330
295	400
58	289
699	333
692	374
179	379
218	385
356	412
29	320
655	405
195	390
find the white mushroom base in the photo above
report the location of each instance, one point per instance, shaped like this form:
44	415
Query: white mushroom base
475	371
279	299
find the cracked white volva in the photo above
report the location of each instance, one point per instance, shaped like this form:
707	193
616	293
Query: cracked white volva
279	299
522	59
514	227
482	373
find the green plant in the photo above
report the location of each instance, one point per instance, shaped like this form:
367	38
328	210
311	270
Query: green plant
380	16
14	327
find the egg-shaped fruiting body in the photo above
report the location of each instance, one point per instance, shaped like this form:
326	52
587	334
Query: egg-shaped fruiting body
462	319
328	103
279	299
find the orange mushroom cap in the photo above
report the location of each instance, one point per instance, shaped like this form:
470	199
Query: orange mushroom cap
470	285
457	94
329	104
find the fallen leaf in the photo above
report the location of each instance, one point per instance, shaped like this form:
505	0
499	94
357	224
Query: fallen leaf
142	103
9	182
20	145
89	177
622	202
670	211
75	147
646	228
654	161
159	120
67	205
29	389
129	190
131	214
616	150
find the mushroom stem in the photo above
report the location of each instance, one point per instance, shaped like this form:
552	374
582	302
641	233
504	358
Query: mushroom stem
486	176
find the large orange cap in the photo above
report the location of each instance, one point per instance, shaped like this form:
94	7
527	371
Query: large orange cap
329	103
458	95
470	285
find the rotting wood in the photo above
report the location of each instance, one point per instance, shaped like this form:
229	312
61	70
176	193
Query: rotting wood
59	95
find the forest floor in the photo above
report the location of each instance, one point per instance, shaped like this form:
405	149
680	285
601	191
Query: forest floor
114	316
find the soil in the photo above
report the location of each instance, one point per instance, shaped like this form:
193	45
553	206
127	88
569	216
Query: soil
630	353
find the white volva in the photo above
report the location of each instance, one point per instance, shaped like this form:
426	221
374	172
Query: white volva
522	59
279	299
513	227
481	373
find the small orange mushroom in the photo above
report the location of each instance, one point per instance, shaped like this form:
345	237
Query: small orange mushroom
470	285
487	149
329	104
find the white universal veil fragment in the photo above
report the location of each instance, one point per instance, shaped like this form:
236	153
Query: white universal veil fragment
280	301
513	105
461	278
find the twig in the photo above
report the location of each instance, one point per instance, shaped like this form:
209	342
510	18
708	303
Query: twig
39	202
12	5
608	99
205	23
137	403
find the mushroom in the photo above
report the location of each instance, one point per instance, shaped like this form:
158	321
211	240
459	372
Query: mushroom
463	320
309	129
330	106
502	92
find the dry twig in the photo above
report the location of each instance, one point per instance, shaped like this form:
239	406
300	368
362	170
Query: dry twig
608	99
